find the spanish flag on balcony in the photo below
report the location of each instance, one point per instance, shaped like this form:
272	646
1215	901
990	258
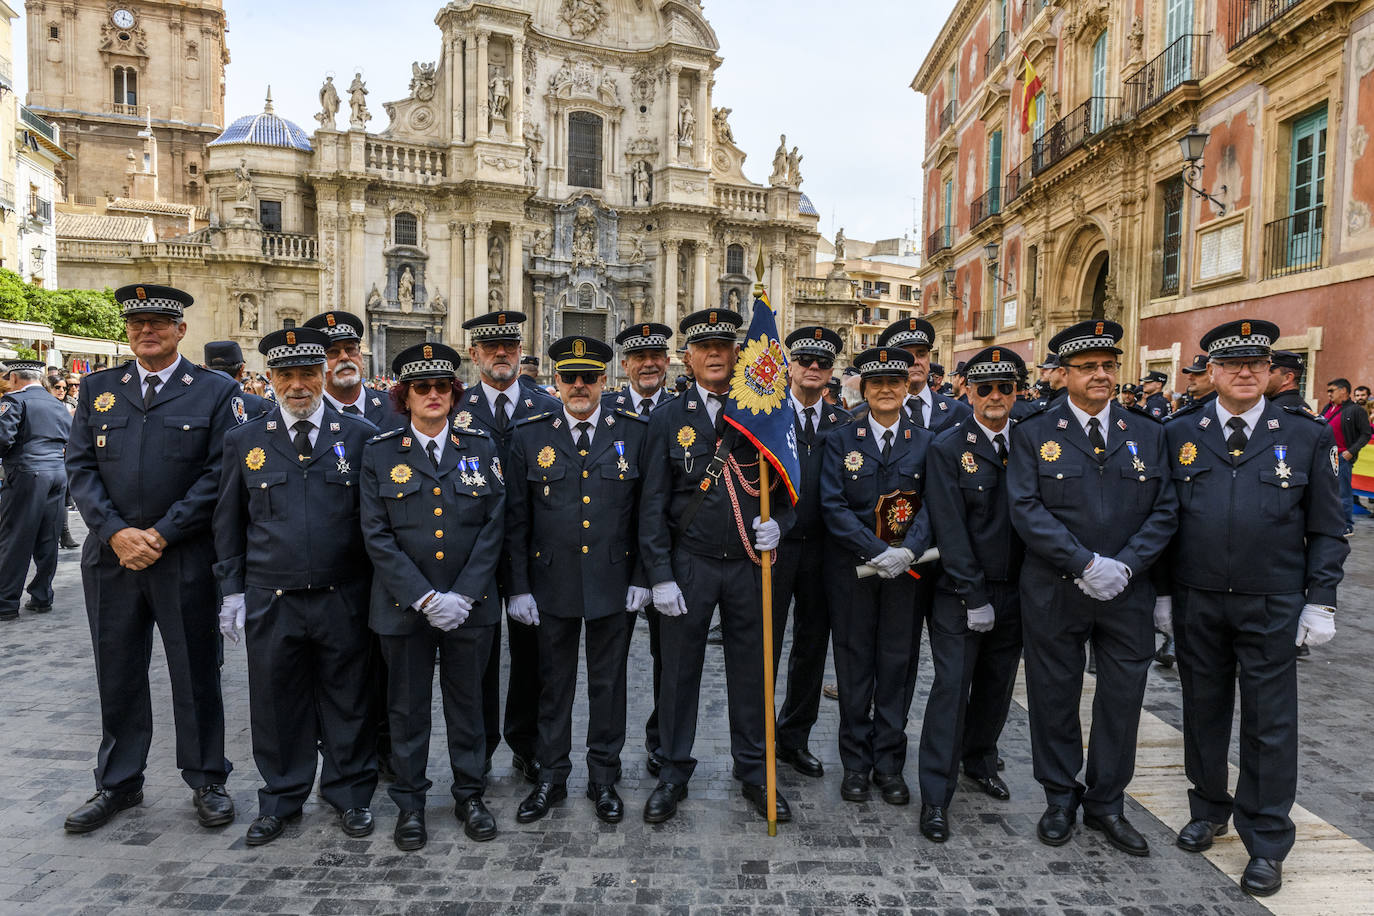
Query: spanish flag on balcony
1033	86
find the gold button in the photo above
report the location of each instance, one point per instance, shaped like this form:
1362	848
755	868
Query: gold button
585	475
1285	485
438	511
586	524
439	555
586	499
437	491
186	427
439	533
263	486
399	494
536	554
584	548
279	593
1142	478
1058	476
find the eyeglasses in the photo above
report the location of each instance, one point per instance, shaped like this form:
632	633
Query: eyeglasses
157	323
62	387
336	352
586	378
425	386
985	388
1234	366
1107	365
821	362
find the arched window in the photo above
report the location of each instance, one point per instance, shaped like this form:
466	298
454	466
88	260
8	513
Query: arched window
407	229
584	149
734	259
125	86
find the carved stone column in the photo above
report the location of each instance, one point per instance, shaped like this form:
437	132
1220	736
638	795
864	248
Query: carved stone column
483	94
703	114
670	316
356	275
470	89
515	267
537	342
481	277
470	308
699	296
517	90
457	293
777	280
68	48
671	140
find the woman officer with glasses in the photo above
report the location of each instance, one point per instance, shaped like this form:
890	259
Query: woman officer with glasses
433	504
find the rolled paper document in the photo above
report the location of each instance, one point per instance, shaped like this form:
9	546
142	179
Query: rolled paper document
930	556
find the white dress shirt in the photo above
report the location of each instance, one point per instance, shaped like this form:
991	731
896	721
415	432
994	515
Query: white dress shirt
879	429
924	398
573	421
511	393
315	419
712	405
1250	418
441	440
1103	418
1004	432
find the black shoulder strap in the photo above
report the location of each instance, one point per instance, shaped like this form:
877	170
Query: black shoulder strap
713	472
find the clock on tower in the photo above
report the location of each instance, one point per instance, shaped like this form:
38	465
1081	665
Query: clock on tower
123	18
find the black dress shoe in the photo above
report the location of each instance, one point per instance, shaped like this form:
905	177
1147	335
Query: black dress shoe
662	803
214	807
757	797
538	802
992	786
37	608
9	615
1197	836
801	760
99	808
356	822
893	788
609	807
854	786
1262	877
1164	655
1056	826
266	828
1001	764
478	823
654	764
1118	832
410	833
715	636
934	825
528	766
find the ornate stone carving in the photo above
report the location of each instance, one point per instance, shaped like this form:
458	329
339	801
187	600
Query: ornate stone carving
243	182
608	91
686	122
839	245
496	258
643	176
248	313
329	104
357	103
439	304
499	97
1359	139
637	252
720	119
642	85
374	298
1136	37
779	177
422	80
501	163
584	238
794	178
582	17
405	289
643	147
1357	217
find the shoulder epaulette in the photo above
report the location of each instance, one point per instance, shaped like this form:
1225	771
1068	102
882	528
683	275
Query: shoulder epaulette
629	414
534	418
476	431
386	435
1141	412
1184	411
1302	412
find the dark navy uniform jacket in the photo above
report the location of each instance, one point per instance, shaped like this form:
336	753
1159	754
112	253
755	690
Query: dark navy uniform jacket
810	519
1067	504
945	411
155	468
377	410
474	412
1022	408
1157	406
1268	525
626	399
681	443
971	513
34	427
247	405
572	522
1291	398
854	474
431	530
283	523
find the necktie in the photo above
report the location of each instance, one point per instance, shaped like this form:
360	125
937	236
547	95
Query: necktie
918	412
153	382
302	438
1237	440
502	420
810	424
999	441
584	441
1095	436
353	409
719	403
645	406
433	448
887	444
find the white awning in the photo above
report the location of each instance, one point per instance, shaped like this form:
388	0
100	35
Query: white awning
88	346
25	330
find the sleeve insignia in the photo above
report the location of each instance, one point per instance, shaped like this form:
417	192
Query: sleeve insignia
686	436
240	412
401	473
1050	451
104	401
967	462
545	458
1187	454
255	459
1335	462
496	470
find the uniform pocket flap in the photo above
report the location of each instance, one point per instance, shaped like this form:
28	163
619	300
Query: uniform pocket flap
186	423
264	480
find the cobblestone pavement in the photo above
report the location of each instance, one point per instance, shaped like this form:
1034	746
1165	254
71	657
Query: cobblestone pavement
715	857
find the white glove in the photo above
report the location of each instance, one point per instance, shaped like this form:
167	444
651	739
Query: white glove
446	612
523	609
668	599
1164	615
766	534
1104	578
636	598
1316	625
231	616
981	619
892	562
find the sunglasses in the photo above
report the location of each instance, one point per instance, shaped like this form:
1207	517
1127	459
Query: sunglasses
441	385
818	361
985	388
586	378
63	387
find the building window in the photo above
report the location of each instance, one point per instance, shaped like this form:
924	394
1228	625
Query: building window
269	214
407	229
1306	192
288	323
904	292
584	150
53	32
1172	242
734	259
125	86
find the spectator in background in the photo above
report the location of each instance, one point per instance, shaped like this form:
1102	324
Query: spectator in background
1350	424
73	380
1361	397
57	387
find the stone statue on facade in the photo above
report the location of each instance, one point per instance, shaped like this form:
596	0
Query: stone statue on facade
248	313
732	300
560	84
374	298
608	92
779	177
839	245
500	95
643	180
496	257
582	16
794	178
527	167
405	289
584	238
720	118
422	80
438	304
637	252
357	103
496	300
243	182
686	123
329	104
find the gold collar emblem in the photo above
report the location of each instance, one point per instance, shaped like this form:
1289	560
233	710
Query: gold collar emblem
545	457
104	402
401	473
1051	451
255	459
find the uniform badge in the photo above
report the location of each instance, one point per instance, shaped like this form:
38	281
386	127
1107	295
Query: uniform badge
240	412
686	436
343	464
1273	424
405	442
333	427
1282	470
255	459
967	462
1187	454
1135	456
401	473
4	407
452	438
1051	451
463	420
271	426
376	402
853	461
1335	462
186	380
477	480
623	466
1063	424
1121	425
971	437
528	402
1204	422
100	441
104	402
125	379
545	457
610	421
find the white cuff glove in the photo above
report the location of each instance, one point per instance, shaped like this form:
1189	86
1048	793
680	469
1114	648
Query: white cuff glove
1316	625
523	609
1164	615
636	598
981	619
892	562
420	605
232	612
668	599
446	612
1104	578
766	534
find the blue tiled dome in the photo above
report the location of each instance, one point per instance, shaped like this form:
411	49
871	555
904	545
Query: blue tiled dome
265	129
806	207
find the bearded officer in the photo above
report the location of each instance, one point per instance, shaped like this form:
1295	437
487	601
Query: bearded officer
975	626
1256	562
343	375
571	512
144	463
1091	499
305	622
927	408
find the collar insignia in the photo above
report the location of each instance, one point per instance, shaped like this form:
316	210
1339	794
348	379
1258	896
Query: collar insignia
908	434
861	432
333	427
1273	424
1121	424
405	442
691	405
186	380
970	437
271	426
1063	424
1205	422
125	379
376	402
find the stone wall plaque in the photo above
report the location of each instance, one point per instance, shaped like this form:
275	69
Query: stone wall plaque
1221	252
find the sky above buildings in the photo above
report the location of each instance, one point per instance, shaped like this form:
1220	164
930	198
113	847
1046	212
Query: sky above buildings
834	77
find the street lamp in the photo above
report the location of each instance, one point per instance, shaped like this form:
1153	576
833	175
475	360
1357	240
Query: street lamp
990	252
1192	144
949	275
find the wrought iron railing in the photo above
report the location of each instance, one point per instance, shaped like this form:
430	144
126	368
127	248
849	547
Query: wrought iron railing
1183	61
1294	244
985	323
1073	130
38	124
941	239
1029	10
1019	178
947	115
987	205
997	52
1248	17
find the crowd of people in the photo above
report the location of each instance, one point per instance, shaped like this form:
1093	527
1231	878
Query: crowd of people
361	536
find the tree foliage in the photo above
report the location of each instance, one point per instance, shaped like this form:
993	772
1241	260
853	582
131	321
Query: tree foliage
80	312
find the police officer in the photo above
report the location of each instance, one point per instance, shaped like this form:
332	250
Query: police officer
812	352
226	356
927	408
343	376
1198	388
495	404
1152	386
1091	499
529	373
873	490
1284	388
1051	384
936	377
144	464
1257	559
433	510
975	625
34	427
712	544
571	511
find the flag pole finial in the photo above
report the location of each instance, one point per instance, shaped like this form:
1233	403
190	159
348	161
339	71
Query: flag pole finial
758	274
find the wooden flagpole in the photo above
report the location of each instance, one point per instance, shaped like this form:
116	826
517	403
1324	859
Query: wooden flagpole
770	751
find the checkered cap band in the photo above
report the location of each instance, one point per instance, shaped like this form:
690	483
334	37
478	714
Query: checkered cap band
153	304
645	342
909	338
1229	343
296	351
426	367
1081	344
1002	370
341	331
822	346
719	329
509	331
883	367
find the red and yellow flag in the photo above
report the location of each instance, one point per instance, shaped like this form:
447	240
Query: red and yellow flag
1033	86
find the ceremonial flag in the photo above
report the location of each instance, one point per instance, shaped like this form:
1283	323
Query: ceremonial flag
757	405
1033	85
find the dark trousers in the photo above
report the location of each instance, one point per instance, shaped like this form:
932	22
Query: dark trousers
1057	621
176	594
975	674
794	584
491	692
378	721
607	639
736	586
652	617
876	628
1220	637
463	654
522	689
30	522
307	693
